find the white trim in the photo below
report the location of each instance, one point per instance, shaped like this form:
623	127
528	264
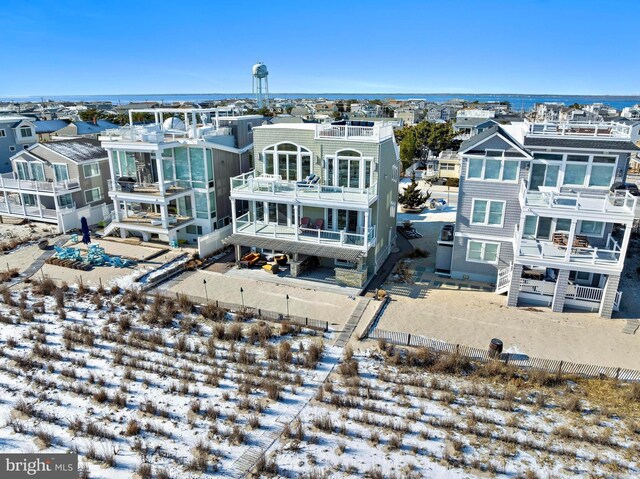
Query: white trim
55	175
502	134
482	252
593	235
3	133
487	212
100	198
484	164
84	171
500	239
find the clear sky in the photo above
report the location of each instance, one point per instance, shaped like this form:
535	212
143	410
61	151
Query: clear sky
66	47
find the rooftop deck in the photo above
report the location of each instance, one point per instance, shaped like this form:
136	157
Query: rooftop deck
158	133
250	184
603	129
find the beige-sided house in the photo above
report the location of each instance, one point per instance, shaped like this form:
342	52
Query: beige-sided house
57	182
323	194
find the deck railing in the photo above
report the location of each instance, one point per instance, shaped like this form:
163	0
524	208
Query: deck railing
152	188
377	132
245	225
9	182
274	185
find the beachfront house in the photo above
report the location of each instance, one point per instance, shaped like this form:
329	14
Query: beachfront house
537	217
57	182
321	193
170	178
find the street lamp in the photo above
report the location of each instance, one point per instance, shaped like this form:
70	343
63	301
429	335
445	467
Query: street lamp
206	295
242	297
287	305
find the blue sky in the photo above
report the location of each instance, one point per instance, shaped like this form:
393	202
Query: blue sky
63	47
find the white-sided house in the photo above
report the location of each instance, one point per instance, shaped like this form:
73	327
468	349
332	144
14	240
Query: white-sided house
57	182
536	215
321	193
170	178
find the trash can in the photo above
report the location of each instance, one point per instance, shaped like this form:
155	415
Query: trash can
495	347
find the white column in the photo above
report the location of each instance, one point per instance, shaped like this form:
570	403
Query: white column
158	160
255	219
164	216
296	220
625	243
366	230
572	235
40	204
24	206
233	214
116	209
126	212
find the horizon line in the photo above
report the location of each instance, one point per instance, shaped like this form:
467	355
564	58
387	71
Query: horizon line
250	95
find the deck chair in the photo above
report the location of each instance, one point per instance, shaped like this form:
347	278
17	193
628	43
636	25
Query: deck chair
305	222
59	251
319	224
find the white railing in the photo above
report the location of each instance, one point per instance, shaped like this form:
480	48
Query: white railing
273	185
541	287
27	211
244	225
157	133
377	132
504	277
609	202
574	291
587	293
616	301
8	182
548	251
580	128
149	188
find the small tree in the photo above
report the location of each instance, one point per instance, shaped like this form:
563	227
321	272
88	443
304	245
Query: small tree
412	197
407	150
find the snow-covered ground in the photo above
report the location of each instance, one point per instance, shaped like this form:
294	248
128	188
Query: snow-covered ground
132	386
125	386
398	421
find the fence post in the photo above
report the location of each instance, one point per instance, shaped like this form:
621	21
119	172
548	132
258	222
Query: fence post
617	374
326	326
259	312
506	359
560	369
306	321
457	349
409	340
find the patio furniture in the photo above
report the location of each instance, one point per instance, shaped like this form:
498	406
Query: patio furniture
249	259
271	268
319	224
304	222
281	259
74	238
310	180
561	240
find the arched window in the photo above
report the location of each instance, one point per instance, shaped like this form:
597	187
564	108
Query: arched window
290	161
350	169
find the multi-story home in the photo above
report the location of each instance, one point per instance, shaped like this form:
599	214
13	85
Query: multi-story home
170	178
468	127
320	192
536	215
631	112
409	116
57	182
16	133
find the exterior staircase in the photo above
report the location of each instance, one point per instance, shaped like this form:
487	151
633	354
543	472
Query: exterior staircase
504	279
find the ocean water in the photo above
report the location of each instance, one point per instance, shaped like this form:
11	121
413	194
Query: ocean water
518	102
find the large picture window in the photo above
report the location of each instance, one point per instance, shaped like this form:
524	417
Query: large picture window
492	169
488	213
61	171
482	252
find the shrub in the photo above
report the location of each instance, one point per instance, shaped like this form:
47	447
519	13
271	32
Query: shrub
144	471
45	436
44	287
185	304
133	428
212	312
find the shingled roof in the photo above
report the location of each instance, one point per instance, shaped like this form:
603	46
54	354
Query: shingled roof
78	150
587	143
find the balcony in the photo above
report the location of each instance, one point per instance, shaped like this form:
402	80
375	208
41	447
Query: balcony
548	252
245	226
150	222
31	212
144	190
250	186
619	203
373	132
8	182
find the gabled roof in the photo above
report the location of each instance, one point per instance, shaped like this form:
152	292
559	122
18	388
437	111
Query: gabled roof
469	122
49	126
484	135
88	127
78	150
586	143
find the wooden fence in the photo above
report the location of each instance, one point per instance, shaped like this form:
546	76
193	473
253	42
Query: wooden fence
259	312
518	360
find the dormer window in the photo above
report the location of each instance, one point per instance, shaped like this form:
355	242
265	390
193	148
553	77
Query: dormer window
25	132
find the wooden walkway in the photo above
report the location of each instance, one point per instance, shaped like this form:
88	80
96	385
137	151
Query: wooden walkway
39	262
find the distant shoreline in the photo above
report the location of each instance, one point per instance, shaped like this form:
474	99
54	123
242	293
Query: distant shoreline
518	100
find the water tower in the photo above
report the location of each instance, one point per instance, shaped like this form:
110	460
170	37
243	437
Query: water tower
261	84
